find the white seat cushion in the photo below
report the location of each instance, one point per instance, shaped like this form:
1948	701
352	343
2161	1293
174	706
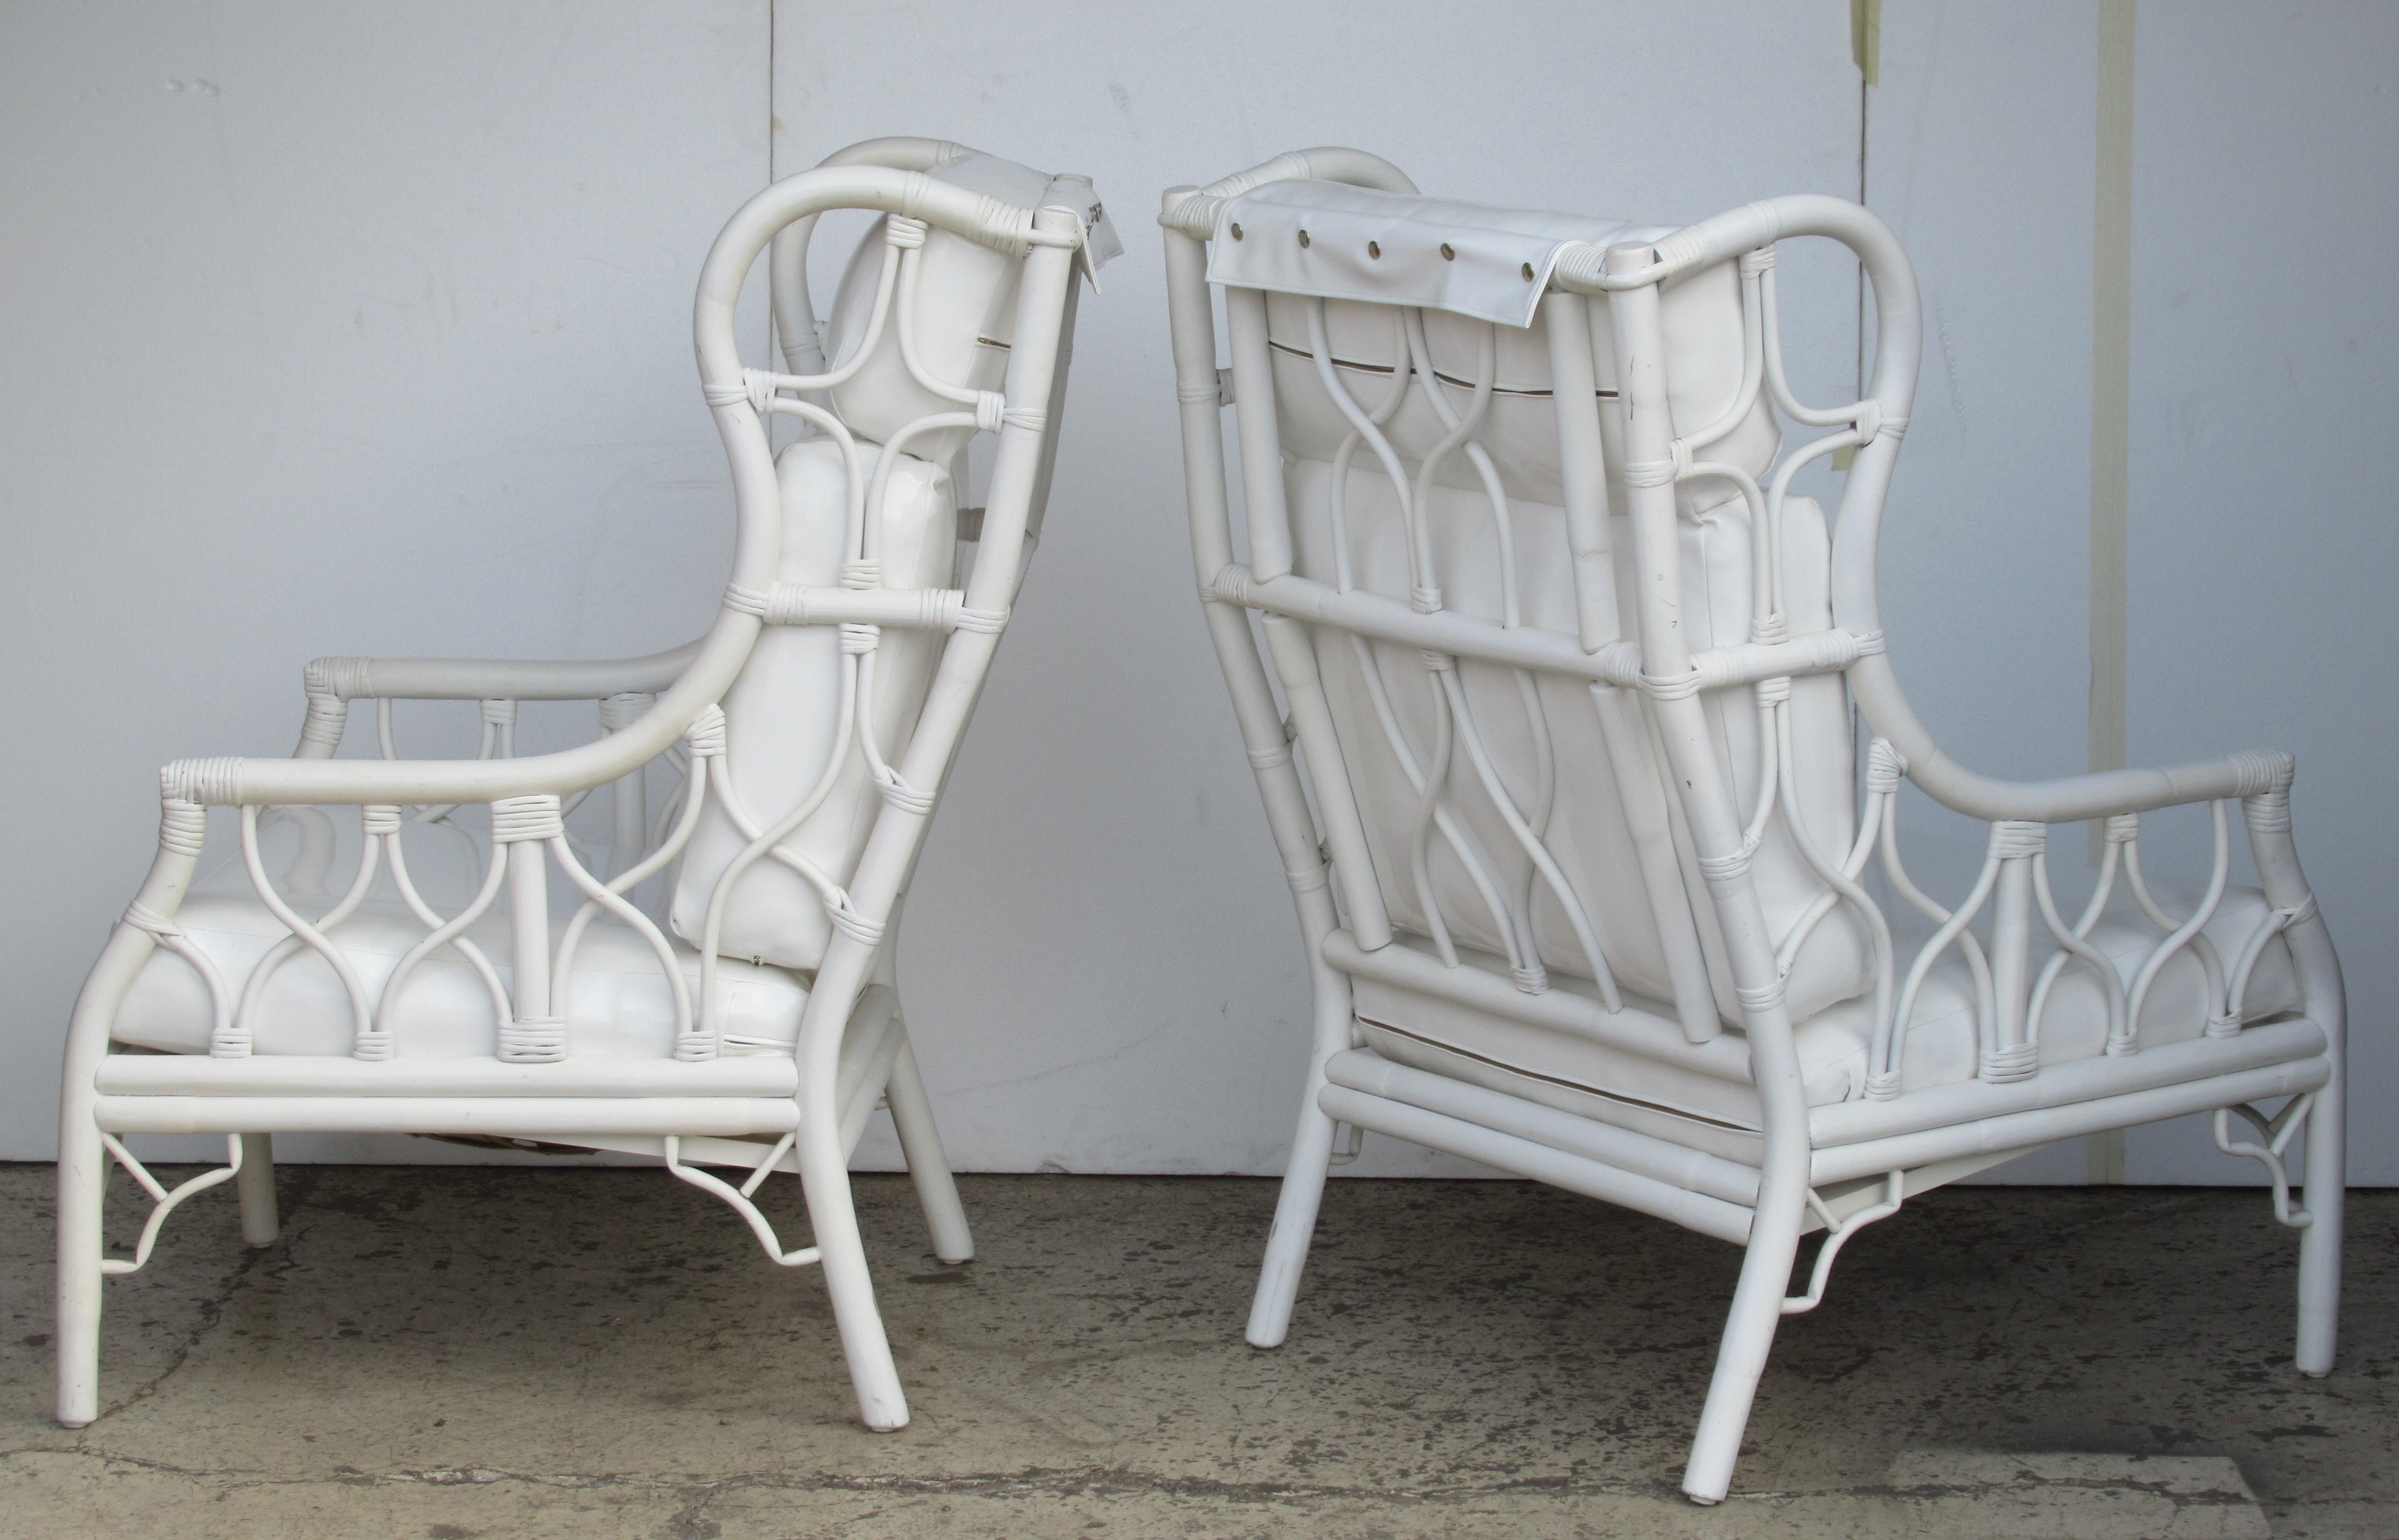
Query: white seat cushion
620	1006
1575	1073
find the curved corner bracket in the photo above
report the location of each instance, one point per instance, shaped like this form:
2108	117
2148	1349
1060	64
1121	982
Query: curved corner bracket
738	1198
162	1199
1837	1235
2276	1131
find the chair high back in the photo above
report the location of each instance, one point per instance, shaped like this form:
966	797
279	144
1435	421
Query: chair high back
1401	360
1580	859
919	339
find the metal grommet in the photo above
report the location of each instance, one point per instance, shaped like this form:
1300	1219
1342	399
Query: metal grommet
1303	238
1237	232
1448	253
1528	272
1373	249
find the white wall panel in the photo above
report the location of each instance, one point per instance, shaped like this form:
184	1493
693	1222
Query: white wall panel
2260	533
1979	152
329	330
341	332
2262	542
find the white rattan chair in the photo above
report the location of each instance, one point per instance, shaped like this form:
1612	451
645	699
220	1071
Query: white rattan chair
1583	856
754	1023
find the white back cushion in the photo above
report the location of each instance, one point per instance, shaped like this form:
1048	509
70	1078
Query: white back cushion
1589	833
961	324
782	714
1701	317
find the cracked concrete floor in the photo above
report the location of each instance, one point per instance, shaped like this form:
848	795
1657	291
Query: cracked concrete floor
448	1353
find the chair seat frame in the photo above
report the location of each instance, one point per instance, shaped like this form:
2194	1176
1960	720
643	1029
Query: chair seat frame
1834	1169
717	1100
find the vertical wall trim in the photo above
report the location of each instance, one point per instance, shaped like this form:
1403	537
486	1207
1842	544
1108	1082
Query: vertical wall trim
773	355
2111	392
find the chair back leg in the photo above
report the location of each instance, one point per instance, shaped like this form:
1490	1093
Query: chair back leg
1311	1151
929	1165
259	1221
1295	1221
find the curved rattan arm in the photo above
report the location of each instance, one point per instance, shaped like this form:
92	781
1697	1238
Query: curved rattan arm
346	679
787	267
1192	211
718	655
2067	798
1856	608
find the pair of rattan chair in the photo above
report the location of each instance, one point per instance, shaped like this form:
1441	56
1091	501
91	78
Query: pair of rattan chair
1592	887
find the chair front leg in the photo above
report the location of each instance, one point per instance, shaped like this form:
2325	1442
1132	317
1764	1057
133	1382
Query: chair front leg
1749	1335
83	1189
82	1160
2319	1243
824	1182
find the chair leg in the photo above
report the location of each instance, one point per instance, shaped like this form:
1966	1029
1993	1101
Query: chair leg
83	1191
260	1222
929	1167
1740	1359
2320	1242
1295	1223
824	1178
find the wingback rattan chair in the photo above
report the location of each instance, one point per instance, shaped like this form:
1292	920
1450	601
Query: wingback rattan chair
753	1020
1582	854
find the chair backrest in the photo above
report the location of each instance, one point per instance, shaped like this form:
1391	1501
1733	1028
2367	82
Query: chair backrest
818	720
1427	423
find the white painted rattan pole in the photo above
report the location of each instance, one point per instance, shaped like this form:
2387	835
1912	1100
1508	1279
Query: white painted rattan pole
1193	210
892	849
787	270
254	1183
1716	833
928	1163
338	680
910	1109
1584	472
83	1161
2324	998
1190	315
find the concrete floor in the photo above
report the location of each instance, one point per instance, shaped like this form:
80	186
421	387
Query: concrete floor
450	1353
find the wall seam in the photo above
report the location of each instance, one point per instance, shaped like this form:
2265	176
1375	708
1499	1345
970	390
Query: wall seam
2112	379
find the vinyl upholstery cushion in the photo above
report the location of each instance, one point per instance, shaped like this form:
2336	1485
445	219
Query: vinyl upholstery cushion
1577	1074
962	323
1595	841
784	713
619	1005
